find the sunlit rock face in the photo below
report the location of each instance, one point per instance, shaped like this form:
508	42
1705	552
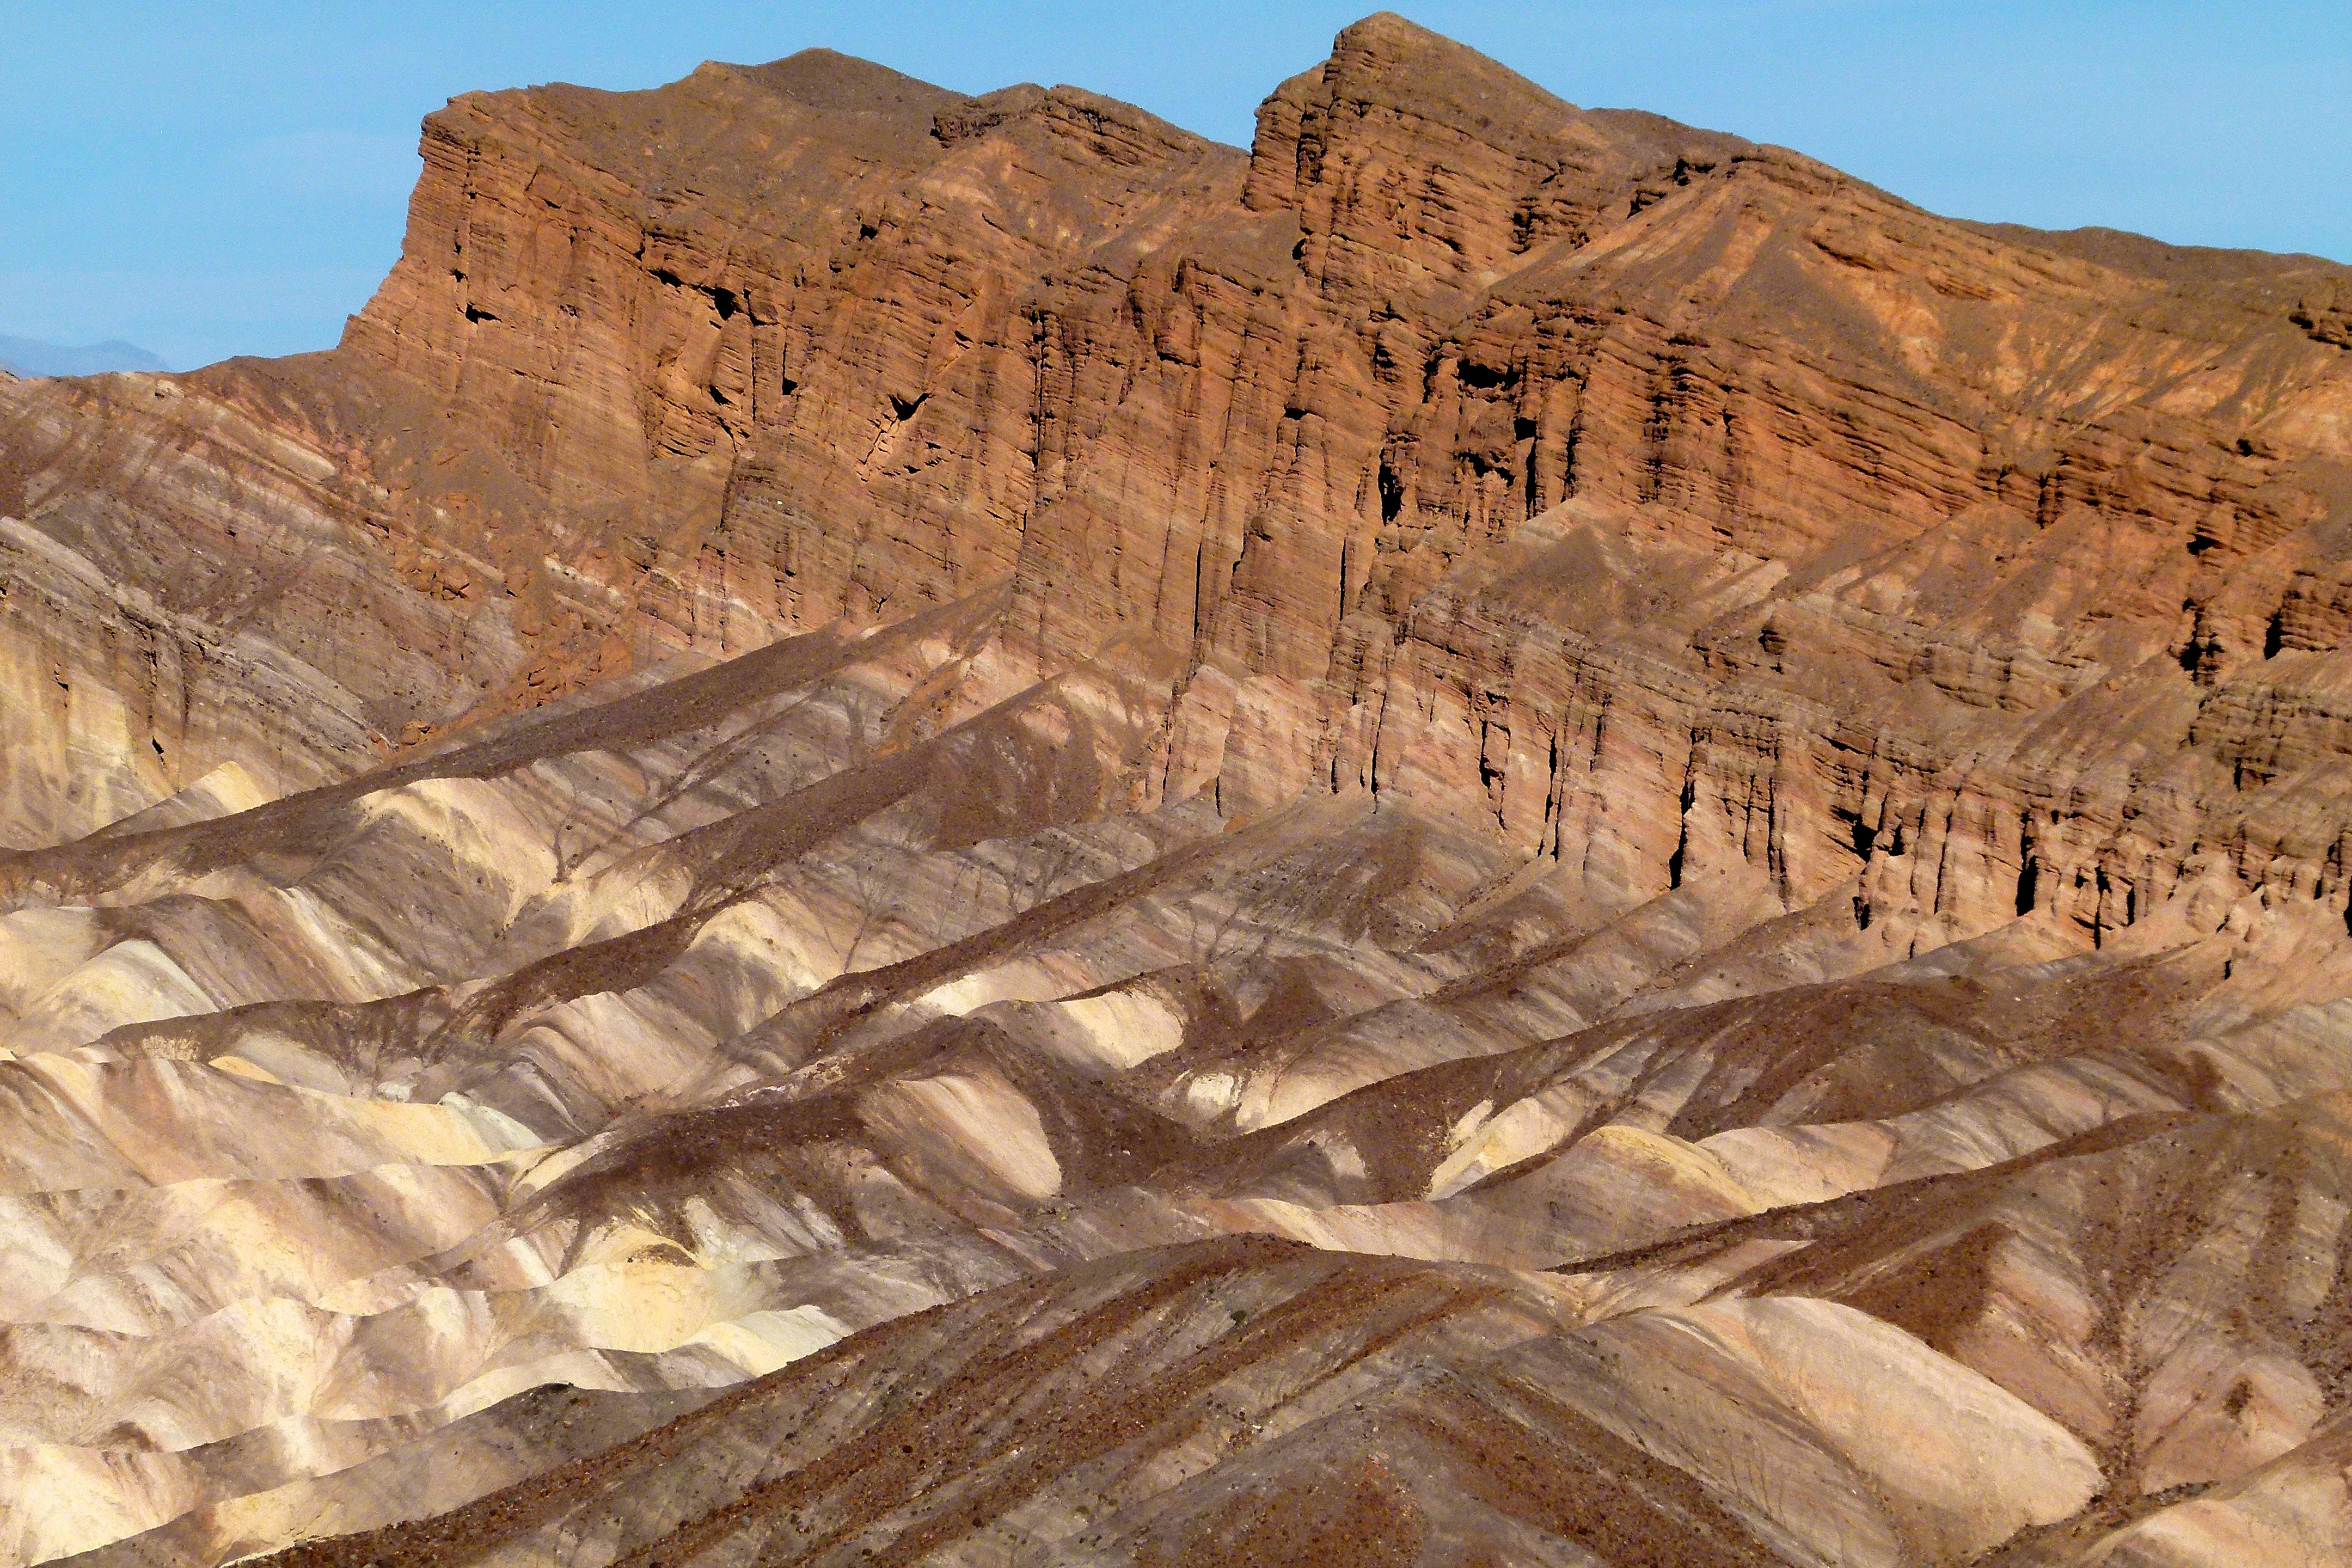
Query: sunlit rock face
917	829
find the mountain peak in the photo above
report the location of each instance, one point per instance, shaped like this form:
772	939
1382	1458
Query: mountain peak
834	82
1412	160
33	357
1388	59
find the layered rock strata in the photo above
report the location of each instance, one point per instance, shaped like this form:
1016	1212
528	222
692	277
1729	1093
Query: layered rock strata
941	828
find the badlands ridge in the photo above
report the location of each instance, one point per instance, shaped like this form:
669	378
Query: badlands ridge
899	828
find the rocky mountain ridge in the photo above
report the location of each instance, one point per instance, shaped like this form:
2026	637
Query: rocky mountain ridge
849	705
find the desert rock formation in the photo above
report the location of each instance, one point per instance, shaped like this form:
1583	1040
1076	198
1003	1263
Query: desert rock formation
898	827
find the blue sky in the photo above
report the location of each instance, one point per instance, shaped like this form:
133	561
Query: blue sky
222	178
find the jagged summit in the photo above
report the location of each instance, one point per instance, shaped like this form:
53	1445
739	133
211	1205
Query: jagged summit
919	827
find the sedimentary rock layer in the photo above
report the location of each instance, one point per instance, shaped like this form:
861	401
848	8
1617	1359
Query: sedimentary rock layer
918	827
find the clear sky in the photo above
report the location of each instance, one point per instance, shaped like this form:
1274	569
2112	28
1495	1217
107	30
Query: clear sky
209	177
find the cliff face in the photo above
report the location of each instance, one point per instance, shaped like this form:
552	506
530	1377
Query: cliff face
1553	814
779	345
810	340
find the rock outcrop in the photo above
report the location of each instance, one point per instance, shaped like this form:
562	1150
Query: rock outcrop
932	827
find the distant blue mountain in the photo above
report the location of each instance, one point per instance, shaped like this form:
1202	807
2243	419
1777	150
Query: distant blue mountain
28	356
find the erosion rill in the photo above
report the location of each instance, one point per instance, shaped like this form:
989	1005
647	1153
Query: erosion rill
902	827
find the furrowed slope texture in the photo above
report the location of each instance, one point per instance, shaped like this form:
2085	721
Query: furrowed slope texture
918	828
